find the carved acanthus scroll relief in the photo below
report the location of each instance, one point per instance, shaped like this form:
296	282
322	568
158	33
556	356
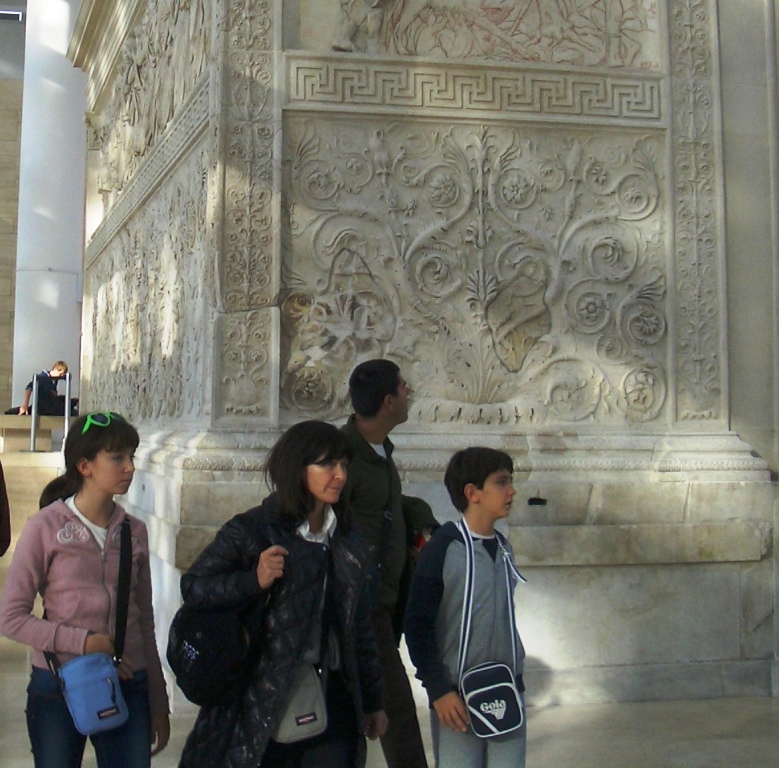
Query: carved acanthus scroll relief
247	335
246	365
601	33
151	296
159	63
250	222
698	182
520	275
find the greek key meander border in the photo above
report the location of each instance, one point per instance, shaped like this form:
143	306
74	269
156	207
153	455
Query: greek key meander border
179	138
351	84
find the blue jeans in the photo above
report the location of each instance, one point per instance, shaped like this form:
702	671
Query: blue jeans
57	744
453	749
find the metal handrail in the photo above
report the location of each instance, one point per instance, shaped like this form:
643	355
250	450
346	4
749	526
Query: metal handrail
34	412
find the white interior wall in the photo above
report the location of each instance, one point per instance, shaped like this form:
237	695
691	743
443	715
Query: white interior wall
51	198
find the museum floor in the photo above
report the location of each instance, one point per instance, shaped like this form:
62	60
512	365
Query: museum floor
737	733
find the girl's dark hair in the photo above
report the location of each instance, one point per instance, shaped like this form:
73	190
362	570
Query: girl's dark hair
308	442
473	465
116	435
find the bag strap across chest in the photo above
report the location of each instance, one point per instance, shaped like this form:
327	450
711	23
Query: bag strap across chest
466	625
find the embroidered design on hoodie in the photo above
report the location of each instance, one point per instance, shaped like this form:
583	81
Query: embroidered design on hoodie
72	532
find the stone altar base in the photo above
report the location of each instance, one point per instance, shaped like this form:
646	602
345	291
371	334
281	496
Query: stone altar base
649	559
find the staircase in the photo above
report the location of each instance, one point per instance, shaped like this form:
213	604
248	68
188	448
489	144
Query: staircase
26	474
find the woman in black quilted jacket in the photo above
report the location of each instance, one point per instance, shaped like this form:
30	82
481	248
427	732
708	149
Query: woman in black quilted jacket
303	574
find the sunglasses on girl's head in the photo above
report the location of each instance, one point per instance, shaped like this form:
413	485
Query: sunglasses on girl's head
101	419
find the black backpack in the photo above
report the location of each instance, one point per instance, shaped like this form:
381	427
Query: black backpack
209	653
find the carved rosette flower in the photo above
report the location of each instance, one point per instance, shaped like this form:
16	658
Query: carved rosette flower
518	189
643	323
443	189
592	311
588	308
309	389
597	177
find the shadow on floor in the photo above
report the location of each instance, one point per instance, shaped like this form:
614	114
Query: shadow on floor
718	733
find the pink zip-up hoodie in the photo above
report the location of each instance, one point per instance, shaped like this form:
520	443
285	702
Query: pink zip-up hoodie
58	557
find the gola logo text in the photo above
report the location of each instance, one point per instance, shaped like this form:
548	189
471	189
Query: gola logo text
495	708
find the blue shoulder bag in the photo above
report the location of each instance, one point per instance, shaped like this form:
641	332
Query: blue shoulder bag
90	683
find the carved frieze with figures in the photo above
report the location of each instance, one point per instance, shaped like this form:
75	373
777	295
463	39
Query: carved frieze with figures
157	68
149	295
595	34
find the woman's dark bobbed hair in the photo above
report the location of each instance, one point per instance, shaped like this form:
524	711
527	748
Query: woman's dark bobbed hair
85	442
308	442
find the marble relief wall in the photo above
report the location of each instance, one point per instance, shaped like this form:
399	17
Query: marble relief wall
510	229
156	284
515	240
149	266
521	204
523	271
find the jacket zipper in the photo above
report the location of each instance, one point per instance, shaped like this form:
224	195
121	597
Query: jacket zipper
107	592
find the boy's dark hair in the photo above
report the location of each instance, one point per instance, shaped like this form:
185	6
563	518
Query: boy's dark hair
117	434
304	443
370	383
473	465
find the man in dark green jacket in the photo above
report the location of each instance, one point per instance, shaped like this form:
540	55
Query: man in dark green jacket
391	522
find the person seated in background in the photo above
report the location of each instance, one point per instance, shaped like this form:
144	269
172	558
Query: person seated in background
49	402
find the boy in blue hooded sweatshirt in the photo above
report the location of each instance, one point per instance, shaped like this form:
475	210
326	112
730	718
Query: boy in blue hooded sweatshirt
480	485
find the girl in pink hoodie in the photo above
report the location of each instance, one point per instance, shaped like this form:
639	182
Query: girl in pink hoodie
68	553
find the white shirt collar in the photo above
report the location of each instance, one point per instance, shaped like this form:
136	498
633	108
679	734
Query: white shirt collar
328	528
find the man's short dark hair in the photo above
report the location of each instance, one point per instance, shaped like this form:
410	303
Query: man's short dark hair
473	465
370	383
